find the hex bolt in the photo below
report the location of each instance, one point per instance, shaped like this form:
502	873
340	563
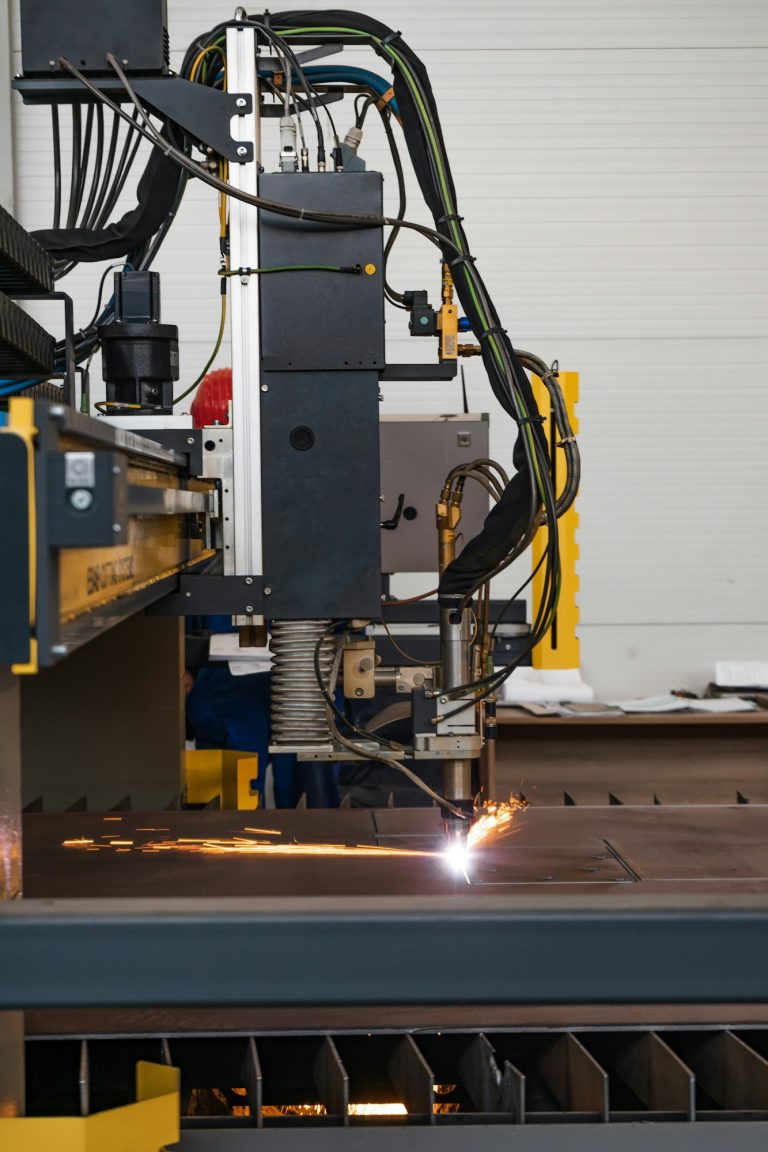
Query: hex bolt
117	528
249	609
57	411
188	595
443	699
190	439
240	102
116	470
267	591
242	150
249	579
358	691
265	387
80	499
59	649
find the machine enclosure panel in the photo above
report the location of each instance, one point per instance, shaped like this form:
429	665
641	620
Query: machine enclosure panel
84	31
321	507
416	456
321	320
322	347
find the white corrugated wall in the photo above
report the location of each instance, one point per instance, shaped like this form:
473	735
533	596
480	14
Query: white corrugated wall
611	159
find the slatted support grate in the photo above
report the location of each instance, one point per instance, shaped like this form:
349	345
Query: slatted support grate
433	1078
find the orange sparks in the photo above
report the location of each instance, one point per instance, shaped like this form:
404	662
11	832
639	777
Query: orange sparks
494	819
243	846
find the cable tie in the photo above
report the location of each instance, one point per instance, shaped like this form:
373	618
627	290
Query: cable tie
392	36
449	216
464	259
497	331
530	420
566	440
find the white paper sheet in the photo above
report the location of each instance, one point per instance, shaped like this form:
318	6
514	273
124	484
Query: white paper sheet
542	686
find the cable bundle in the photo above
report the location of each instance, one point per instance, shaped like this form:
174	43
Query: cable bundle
527	501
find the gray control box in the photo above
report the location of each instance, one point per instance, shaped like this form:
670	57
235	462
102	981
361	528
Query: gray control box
417	453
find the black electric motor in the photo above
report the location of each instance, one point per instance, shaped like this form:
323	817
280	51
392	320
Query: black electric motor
140	356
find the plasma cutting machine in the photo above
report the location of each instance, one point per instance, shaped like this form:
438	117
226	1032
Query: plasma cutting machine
316	969
304	273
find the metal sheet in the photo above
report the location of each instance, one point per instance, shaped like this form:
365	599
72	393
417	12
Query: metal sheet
655	849
414	861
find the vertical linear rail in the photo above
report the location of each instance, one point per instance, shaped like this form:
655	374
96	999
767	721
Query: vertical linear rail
242	76
560	647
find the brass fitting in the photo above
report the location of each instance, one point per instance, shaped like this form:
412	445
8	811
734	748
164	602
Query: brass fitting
448	319
470	350
448	515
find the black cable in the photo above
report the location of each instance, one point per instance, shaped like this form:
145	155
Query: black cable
292	62
74	171
328	697
568	441
393	296
56	165
352	220
128	155
97	164
111	150
508	604
110	268
361	113
85	157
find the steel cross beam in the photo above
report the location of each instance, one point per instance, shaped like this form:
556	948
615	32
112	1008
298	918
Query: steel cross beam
442	950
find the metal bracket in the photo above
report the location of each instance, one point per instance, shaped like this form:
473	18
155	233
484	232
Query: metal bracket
442	371
323	98
213	596
204	113
318	53
68	375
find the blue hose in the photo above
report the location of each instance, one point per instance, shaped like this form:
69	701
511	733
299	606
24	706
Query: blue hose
338	73
11	387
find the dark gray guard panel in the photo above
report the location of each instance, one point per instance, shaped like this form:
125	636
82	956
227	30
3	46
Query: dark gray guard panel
321	320
321	507
15	574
